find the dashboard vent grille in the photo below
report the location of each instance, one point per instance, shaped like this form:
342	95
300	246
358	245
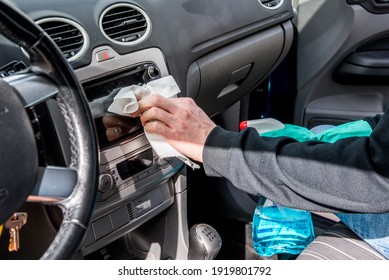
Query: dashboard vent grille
271	4
130	210
69	36
125	24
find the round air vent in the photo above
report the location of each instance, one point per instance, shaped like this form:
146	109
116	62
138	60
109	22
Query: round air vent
125	24
69	36
271	4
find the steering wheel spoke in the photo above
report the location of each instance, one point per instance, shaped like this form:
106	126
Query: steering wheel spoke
54	184
32	89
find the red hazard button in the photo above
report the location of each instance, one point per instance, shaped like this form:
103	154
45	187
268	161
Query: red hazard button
104	55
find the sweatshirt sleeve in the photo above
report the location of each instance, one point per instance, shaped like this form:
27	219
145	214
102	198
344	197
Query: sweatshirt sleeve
350	175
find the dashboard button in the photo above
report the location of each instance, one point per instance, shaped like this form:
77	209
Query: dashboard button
104	55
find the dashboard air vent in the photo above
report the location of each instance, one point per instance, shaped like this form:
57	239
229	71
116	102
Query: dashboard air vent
271	4
69	36
125	24
130	210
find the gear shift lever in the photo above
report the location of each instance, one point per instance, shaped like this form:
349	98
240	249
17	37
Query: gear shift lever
204	242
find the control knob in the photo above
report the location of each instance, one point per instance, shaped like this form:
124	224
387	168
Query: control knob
151	73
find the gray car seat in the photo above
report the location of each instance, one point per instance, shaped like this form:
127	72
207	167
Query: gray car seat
339	243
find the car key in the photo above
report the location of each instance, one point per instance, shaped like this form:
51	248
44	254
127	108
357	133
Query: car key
14	224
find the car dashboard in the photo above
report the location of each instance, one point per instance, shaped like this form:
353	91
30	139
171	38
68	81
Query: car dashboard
217	51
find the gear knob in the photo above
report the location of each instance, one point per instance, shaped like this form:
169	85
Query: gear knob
204	242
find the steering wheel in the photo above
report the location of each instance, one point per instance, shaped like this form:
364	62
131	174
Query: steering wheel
25	175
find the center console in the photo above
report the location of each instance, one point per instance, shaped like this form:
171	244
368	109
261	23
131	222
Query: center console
135	184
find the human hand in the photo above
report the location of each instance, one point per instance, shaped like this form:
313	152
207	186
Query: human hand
179	121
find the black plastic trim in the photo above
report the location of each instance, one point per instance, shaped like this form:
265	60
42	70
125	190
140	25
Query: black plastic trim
374	59
373	6
351	74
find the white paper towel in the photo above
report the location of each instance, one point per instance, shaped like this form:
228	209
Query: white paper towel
126	102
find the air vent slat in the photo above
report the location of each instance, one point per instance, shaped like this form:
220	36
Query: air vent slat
69	36
125	24
49	27
73	46
119	19
121	13
62	33
75	39
128	31
122	23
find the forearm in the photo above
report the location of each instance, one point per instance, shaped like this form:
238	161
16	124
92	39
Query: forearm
344	176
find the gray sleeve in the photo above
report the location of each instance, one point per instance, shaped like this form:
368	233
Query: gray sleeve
351	175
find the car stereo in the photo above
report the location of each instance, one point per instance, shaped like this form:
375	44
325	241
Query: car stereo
100	93
125	152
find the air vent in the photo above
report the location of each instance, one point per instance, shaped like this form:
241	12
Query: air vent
271	4
69	36
125	24
130	210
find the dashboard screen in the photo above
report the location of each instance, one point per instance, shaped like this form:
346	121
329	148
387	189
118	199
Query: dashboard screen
110	127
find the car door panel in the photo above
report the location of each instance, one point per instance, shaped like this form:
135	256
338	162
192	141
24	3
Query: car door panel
340	58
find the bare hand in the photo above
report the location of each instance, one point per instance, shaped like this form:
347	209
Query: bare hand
179	120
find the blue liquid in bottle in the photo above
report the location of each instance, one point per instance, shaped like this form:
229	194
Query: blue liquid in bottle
277	229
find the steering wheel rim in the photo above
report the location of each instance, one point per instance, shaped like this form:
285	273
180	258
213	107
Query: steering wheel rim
50	67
